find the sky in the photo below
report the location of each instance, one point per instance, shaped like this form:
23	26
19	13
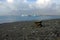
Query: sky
30	7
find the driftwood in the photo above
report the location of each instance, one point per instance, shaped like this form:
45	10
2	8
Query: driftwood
38	24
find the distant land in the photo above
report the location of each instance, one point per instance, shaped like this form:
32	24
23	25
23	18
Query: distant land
14	18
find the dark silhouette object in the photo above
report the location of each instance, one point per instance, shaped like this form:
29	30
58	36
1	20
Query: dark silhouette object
6	36
57	33
24	39
38	24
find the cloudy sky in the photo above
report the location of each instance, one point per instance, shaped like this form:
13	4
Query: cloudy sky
39	7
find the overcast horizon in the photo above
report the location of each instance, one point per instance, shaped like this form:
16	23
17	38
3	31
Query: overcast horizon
38	7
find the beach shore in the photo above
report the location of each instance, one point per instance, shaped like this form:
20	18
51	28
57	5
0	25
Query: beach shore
28	30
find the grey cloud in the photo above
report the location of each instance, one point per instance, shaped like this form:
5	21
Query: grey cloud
19	7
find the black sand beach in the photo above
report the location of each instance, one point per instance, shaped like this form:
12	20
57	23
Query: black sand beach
29	30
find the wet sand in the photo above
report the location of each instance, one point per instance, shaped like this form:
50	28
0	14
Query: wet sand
28	30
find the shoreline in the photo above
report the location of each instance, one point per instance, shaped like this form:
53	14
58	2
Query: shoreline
29	21
22	30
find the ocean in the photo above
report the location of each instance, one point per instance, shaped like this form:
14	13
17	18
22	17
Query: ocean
6	19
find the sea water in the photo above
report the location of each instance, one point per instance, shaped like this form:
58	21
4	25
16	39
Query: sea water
6	19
